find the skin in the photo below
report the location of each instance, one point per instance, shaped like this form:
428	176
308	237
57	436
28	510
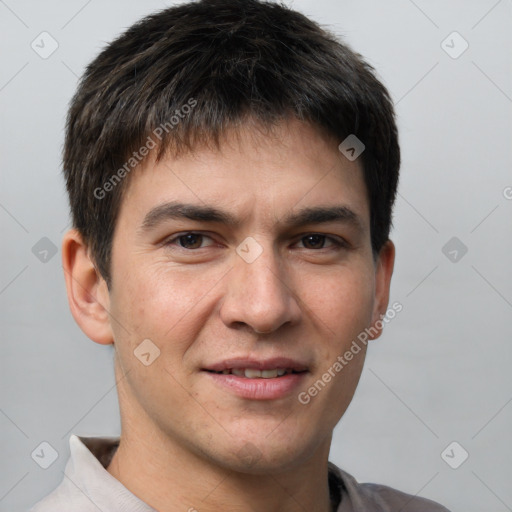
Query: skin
182	436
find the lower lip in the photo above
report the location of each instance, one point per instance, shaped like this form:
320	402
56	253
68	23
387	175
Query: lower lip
259	388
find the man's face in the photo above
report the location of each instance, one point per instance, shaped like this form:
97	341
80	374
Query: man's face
204	293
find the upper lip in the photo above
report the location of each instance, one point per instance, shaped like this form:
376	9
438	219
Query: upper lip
258	364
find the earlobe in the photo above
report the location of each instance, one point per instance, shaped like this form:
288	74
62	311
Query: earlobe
384	270
87	291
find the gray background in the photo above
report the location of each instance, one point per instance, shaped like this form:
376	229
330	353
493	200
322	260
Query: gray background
441	371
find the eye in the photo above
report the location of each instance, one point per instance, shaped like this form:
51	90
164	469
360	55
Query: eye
188	241
317	241
192	241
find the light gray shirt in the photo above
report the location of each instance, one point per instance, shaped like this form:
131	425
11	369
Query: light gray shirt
88	487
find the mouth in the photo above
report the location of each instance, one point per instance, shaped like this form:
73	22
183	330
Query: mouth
254	373
258	380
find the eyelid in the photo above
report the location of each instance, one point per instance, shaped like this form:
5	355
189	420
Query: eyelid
176	236
336	241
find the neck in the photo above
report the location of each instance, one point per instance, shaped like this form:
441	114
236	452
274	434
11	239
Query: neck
169	480
171	488
170	477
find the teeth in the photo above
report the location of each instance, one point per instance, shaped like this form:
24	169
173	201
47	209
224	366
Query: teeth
251	373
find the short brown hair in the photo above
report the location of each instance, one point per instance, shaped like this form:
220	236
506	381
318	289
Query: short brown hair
230	59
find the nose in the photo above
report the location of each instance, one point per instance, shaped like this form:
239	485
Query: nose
260	295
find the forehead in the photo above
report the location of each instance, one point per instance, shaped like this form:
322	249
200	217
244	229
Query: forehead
255	174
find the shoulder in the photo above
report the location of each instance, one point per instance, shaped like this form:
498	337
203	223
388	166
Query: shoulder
362	496
82	476
60	499
396	500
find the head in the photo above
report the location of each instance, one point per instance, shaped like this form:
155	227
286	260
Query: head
214	215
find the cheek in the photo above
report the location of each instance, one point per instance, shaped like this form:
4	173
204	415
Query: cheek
162	307
163	304
342	301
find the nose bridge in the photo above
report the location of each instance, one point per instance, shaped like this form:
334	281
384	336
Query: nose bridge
258	292
264	274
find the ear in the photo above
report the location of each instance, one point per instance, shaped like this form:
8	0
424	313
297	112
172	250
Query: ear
87	291
383	272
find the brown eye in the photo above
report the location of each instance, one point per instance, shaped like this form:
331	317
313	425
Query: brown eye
314	241
317	241
190	240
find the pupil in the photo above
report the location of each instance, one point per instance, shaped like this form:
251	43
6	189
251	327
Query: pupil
190	240
317	240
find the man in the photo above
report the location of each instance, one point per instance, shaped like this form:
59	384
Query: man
231	169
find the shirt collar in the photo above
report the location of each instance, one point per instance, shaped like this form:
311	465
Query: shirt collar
87	471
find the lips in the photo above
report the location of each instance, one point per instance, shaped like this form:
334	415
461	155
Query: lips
258	379
253	368
252	373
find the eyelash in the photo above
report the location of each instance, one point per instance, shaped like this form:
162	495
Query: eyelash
338	243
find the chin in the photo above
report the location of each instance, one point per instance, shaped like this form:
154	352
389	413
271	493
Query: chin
262	455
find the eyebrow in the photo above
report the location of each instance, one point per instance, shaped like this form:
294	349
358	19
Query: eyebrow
310	215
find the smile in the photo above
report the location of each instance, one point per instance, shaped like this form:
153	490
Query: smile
253	373
257	378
